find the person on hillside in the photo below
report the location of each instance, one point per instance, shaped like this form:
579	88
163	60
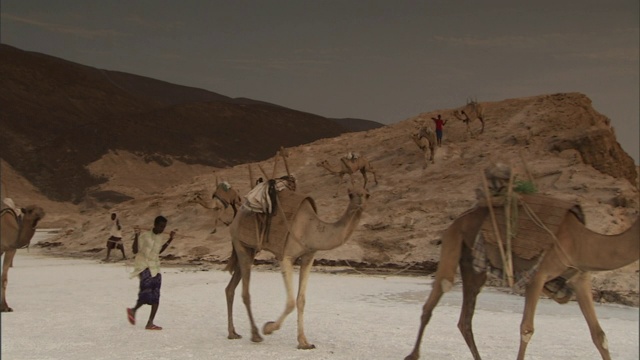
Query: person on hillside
439	126
150	245
115	237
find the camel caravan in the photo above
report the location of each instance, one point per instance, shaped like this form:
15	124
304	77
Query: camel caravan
535	244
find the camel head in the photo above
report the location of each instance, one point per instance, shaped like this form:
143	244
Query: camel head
32	214
323	163
358	197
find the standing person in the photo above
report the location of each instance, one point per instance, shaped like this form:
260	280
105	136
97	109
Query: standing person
439	126
147	267
115	237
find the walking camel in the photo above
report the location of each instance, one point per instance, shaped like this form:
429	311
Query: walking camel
473	110
15	233
426	140
223	197
575	252
349	167
302	235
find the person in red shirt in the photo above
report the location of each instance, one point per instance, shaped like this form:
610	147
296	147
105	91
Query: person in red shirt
439	125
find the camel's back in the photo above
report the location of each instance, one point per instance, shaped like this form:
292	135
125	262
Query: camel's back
534	220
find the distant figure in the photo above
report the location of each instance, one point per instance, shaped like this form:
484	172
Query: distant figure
439	126
147	267
115	237
260	180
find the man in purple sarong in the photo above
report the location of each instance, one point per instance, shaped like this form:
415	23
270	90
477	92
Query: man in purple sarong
147	267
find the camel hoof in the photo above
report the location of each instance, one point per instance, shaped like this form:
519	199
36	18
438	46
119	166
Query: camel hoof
306	347
412	357
6	309
213	231
234	336
256	338
269	328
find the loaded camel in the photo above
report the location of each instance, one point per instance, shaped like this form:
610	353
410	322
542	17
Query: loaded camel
16	232
223	197
349	165
300	237
574	252
473	110
425	138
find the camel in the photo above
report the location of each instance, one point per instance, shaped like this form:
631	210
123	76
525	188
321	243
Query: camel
473	110
304	234
349	166
426	140
15	233
576	251
222	197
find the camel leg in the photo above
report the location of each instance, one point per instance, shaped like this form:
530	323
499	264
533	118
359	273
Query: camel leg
230	292
305	269
581	285
432	151
472	283
245	260
364	175
532	295
216	216
6	264
286	266
449	257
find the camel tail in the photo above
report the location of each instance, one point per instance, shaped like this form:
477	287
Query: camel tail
231	263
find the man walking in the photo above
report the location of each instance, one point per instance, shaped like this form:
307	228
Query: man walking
115	237
147	267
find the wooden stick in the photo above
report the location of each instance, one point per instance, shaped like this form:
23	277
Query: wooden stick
284	158
251	183
508	229
526	170
275	166
496	230
263	172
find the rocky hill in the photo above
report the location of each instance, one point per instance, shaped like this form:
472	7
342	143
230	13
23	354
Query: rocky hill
57	117
568	148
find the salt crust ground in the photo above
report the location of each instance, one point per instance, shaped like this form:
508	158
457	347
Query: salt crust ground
74	309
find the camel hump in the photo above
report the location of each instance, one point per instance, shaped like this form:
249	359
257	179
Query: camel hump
535	216
290	201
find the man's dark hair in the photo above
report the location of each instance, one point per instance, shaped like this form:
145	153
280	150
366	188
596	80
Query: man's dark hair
159	219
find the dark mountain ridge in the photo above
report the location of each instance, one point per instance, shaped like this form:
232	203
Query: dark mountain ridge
56	117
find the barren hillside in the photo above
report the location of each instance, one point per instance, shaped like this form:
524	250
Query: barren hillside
568	147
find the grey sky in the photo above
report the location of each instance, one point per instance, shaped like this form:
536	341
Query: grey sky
378	60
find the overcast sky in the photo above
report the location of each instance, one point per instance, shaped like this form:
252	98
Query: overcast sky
377	60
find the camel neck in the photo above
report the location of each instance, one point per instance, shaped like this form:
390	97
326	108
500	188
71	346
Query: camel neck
332	235
598	252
